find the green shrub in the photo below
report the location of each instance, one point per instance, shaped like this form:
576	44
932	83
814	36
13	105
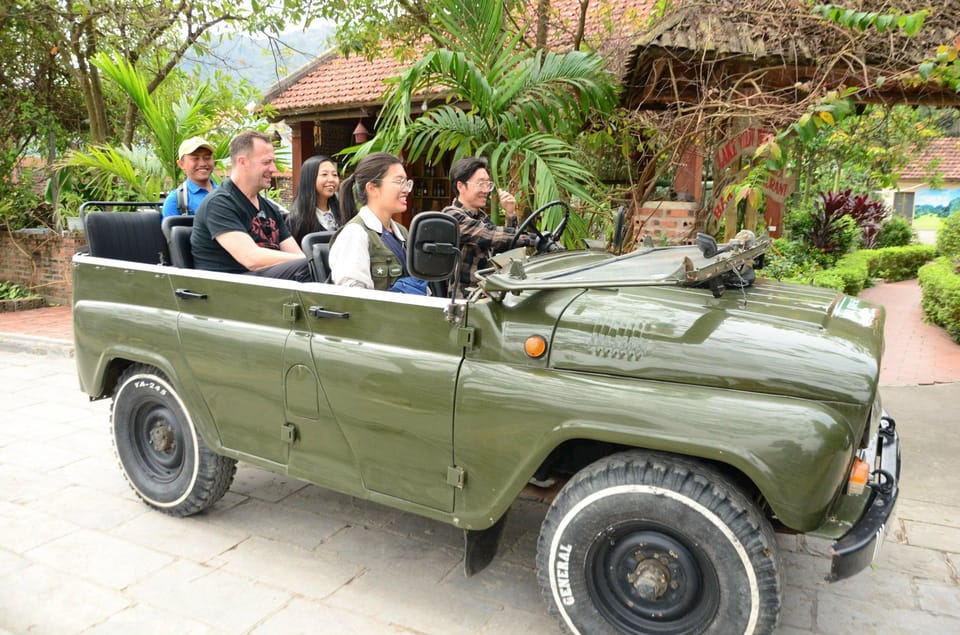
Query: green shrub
14	291
854	271
948	238
940	283
895	232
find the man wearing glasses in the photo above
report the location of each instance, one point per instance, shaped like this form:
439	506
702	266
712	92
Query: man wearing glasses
237	230
480	238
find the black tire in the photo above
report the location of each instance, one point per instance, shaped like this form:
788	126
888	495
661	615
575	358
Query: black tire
641	542
162	456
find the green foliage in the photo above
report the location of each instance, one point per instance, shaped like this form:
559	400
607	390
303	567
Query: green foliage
895	232
853	272
13	291
948	238
526	106
910	23
940	282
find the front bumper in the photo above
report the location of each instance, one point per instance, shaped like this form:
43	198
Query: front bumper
859	546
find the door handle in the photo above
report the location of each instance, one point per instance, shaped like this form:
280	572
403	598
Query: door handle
187	294
319	312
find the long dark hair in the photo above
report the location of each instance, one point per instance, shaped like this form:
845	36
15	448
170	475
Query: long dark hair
353	190
302	219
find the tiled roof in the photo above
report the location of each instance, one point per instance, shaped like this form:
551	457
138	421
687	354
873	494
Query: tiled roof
331	82
942	157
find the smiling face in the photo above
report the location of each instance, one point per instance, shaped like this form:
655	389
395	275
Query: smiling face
388	196
475	191
253	172
327	183
198	166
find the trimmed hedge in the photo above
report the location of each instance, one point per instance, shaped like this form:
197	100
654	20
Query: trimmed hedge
854	271
940	283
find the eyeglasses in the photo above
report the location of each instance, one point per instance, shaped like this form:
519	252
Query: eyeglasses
404	185
483	186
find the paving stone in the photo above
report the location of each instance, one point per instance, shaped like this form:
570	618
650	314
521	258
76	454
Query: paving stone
81	555
41	600
99	473
934	513
264	485
22	529
402	597
838	615
88	507
305	617
933	536
190	538
300	571
332	504
286	524
808	572
916	561
24	486
798	609
511	621
34	455
391	555
503	583
147	620
218	598
943	599
426	529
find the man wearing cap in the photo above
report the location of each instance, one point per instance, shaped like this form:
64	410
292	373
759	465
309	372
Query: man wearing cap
196	161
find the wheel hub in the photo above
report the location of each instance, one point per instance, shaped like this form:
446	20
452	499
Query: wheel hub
162	438
650	578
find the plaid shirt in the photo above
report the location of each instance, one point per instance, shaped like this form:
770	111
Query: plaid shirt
480	240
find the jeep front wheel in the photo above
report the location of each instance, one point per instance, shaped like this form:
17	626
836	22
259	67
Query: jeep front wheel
645	543
162	456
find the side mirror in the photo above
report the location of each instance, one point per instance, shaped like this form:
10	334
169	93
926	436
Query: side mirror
620	229
707	245
433	246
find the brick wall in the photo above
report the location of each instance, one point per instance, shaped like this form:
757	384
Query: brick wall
673	220
40	262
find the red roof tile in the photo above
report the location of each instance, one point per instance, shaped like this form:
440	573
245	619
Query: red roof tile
330	82
942	157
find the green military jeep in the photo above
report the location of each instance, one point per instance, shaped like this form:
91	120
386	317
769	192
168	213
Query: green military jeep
676	411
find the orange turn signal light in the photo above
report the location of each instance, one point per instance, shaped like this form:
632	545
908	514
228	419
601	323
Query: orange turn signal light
535	346
859	475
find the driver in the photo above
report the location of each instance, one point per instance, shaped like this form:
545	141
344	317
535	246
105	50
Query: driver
480	239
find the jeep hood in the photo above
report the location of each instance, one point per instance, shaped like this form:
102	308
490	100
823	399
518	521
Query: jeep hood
771	337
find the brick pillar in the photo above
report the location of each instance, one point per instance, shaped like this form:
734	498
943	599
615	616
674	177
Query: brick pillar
773	217
301	138
688	178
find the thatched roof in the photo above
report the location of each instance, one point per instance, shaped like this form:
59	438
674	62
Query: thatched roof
781	44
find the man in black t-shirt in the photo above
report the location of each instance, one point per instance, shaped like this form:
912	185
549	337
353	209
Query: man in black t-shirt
236	230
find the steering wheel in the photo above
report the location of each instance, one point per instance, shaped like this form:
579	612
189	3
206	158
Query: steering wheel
528	225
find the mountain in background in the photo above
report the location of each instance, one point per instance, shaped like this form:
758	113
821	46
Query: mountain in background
253	59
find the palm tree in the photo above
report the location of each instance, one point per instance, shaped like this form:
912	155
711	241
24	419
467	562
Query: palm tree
520	107
145	172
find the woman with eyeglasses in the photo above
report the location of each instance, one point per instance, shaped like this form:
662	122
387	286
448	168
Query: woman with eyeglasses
480	238
370	250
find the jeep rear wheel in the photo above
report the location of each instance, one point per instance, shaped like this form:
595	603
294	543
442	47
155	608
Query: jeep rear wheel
162	456
644	543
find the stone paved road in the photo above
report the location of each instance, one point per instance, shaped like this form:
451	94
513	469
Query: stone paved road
79	554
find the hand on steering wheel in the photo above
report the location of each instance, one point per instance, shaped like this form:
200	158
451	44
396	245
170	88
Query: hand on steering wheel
550	240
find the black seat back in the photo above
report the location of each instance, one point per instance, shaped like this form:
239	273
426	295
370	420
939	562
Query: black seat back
134	236
177	230
180	250
316	246
169	222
